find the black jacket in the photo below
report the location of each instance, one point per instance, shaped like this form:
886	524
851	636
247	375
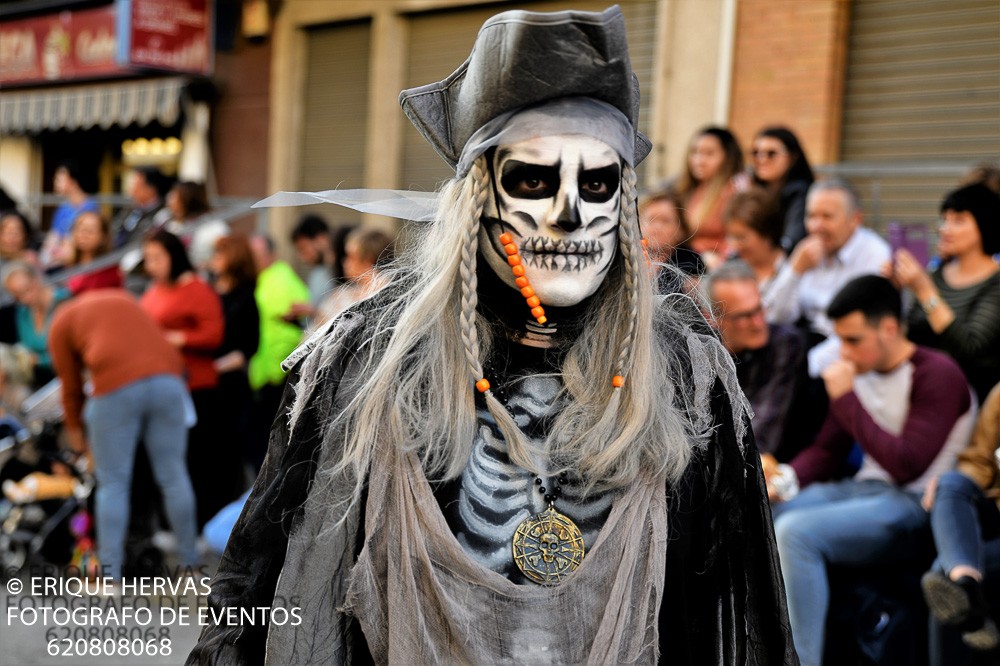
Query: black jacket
724	600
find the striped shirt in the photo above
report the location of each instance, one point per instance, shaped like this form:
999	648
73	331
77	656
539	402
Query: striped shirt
973	339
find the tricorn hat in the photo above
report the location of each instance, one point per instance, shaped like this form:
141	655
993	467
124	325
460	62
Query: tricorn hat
521	59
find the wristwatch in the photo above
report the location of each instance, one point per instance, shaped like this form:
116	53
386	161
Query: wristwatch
930	304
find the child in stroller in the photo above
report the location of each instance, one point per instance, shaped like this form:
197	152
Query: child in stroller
43	510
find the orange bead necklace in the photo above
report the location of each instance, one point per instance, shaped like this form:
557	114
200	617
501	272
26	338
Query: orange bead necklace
521	280
537	311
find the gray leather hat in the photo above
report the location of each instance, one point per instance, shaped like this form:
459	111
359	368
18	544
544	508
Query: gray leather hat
521	59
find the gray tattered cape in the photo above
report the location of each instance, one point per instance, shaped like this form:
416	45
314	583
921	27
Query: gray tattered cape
723	600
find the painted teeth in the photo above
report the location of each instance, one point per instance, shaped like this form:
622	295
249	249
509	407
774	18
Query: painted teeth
562	262
541	245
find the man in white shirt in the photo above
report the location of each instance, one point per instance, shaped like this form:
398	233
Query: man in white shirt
837	249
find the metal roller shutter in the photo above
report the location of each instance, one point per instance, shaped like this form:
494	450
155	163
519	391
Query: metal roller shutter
922	98
441	41
335	112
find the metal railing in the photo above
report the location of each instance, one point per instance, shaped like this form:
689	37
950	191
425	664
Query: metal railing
225	209
873	179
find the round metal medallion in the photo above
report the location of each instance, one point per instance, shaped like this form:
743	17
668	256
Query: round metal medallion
548	547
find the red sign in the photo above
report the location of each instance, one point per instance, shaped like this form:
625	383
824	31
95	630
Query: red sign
171	34
68	45
114	40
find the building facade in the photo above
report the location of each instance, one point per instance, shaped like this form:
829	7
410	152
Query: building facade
115	85
901	96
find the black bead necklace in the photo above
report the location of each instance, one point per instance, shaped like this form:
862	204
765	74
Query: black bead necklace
555	492
548	547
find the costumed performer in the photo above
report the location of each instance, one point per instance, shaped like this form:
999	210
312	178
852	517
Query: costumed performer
516	451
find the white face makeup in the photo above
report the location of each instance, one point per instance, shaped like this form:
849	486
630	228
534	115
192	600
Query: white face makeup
559	198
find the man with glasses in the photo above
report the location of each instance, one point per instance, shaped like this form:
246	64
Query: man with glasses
770	358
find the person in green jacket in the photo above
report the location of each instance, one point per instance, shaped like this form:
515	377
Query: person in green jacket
278	289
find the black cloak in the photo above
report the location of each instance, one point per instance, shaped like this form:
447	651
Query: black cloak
723	602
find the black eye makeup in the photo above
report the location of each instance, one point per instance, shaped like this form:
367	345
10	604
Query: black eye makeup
529	181
599	185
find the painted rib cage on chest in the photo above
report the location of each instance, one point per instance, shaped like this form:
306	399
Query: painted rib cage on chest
495	495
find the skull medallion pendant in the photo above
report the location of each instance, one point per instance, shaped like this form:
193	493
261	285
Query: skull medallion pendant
548	547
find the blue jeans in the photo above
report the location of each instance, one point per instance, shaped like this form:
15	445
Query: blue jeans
150	410
966	527
960	514
848	522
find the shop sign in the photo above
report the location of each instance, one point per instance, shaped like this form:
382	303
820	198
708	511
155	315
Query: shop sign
118	39
173	35
59	47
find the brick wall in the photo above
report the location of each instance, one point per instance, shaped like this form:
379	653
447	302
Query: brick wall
240	122
788	69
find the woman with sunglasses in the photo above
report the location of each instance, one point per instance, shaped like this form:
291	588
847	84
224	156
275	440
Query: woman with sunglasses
780	166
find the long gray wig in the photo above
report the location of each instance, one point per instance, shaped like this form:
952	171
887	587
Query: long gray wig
424	350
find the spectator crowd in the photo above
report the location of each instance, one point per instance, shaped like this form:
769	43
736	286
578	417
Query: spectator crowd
873	378
167	331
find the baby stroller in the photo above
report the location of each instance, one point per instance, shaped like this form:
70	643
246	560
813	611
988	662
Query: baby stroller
43	515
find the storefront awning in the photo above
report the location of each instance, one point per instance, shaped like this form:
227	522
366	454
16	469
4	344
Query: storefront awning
95	105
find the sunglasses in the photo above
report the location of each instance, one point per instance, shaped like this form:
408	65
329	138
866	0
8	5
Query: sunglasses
766	154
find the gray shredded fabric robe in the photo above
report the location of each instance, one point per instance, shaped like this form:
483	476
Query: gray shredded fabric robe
719	598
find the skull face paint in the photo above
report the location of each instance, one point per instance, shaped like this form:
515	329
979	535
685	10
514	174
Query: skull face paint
559	198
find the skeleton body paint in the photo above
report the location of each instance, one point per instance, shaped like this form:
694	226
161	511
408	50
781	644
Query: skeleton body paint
558	196
493	496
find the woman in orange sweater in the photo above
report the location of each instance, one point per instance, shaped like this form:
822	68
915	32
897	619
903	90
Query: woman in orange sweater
190	314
